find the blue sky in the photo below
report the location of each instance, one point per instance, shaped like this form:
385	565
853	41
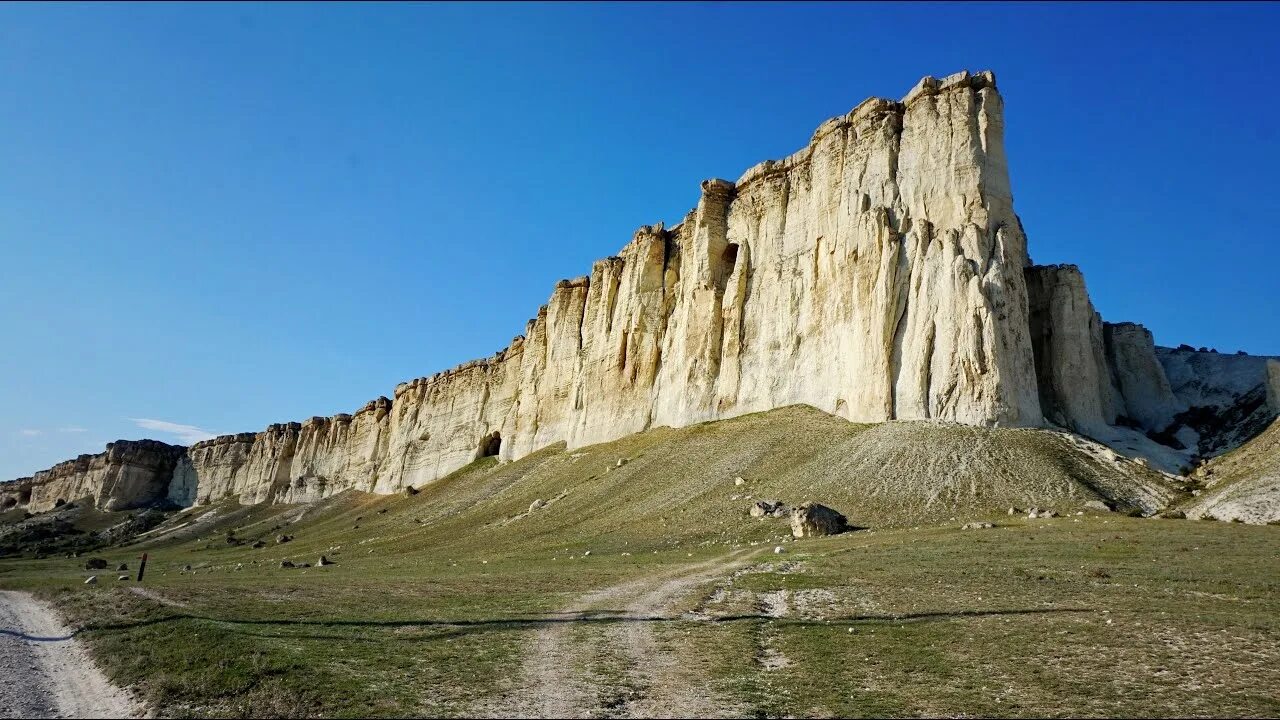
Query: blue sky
214	217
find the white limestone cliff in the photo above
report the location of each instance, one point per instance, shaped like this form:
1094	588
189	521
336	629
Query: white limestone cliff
1076	386
879	273
1139	376
127	474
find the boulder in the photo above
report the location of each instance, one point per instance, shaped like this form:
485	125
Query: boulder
410	491
1173	515
95	564
284	564
123	577
282	539
91	580
258	545
1098	505
977	526
537	504
323	561
812	519
122	567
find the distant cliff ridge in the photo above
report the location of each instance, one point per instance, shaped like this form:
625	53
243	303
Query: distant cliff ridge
880	273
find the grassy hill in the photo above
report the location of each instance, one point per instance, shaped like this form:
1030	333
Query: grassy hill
640	586
1243	484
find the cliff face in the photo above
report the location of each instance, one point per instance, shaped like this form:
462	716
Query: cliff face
288	462
128	474
879	273
1077	390
1139	376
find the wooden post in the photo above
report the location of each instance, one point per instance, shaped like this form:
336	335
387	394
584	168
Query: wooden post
142	567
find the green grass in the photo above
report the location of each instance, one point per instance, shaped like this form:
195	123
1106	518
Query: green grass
436	598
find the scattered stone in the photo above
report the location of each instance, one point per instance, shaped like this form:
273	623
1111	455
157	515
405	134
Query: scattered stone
91	580
621	462
186	568
95	564
1013	511
739	481
122	577
285	564
122	567
537	505
586	553
258	545
410	491
812	519
1173	515
768	508
323	561
977	526
282	539
778	549
1098	505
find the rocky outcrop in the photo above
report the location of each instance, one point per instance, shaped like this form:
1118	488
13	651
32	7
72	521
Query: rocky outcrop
128	474
1138	376
812	519
1075	380
876	274
1223	399
15	493
879	273
290	462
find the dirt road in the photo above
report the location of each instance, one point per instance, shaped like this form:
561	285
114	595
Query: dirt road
46	672
600	657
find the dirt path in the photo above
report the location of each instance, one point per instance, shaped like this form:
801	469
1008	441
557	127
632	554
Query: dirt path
560	677
46	671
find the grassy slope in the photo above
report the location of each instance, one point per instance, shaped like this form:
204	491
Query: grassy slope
1244	484
435	597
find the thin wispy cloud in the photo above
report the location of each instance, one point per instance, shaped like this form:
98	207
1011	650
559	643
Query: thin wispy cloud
30	433
72	429
185	433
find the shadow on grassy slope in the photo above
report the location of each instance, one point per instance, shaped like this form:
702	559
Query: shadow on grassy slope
597	617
